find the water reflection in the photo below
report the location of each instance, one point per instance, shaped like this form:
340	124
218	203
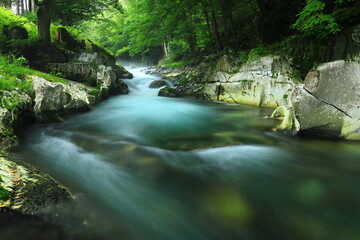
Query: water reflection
179	169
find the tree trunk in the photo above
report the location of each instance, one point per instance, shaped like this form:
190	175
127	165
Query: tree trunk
22	6
18	7
33	6
206	14
166	49
44	22
231	17
216	31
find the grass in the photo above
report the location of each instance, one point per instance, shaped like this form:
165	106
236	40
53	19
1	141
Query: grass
14	75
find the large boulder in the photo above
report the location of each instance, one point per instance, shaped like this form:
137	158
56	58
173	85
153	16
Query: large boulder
95	69
266	82
169	92
54	99
16	33
79	72
109	83
158	84
328	104
97	59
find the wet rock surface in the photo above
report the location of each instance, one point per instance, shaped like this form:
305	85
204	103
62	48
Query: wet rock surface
28	187
29	227
158	84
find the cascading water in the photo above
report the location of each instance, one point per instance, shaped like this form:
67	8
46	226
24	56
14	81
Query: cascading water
148	167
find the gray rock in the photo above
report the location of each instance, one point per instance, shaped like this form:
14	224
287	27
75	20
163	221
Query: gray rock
262	82
109	83
97	59
338	84
54	99
225	64
78	72
329	102
158	84
315	116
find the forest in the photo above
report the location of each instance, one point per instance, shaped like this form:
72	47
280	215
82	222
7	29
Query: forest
181	30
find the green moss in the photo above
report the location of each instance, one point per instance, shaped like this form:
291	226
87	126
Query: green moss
95	92
282	48
4	195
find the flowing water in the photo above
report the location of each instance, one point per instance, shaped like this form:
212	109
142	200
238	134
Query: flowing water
148	167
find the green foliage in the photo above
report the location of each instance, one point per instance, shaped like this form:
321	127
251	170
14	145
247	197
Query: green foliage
31	17
14	75
95	92
106	30
321	18
56	73
8	18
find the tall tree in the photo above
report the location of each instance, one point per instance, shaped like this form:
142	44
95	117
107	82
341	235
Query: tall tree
68	11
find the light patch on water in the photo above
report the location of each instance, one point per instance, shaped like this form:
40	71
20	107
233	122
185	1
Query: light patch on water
145	118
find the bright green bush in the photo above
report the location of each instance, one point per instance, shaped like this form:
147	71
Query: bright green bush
314	22
13	74
7	17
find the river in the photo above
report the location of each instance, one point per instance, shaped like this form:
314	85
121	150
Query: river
157	168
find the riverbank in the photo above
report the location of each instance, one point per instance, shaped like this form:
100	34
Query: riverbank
179	168
324	103
85	76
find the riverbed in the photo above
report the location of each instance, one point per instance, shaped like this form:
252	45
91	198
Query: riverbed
157	168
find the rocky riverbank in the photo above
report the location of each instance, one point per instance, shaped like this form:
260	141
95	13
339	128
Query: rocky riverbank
325	103
87	76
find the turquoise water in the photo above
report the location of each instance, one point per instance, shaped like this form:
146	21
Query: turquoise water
148	167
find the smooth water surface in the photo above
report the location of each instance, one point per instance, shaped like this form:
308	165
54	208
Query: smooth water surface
148	167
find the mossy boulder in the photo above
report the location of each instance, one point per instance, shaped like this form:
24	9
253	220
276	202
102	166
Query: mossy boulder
28	188
169	92
15	33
